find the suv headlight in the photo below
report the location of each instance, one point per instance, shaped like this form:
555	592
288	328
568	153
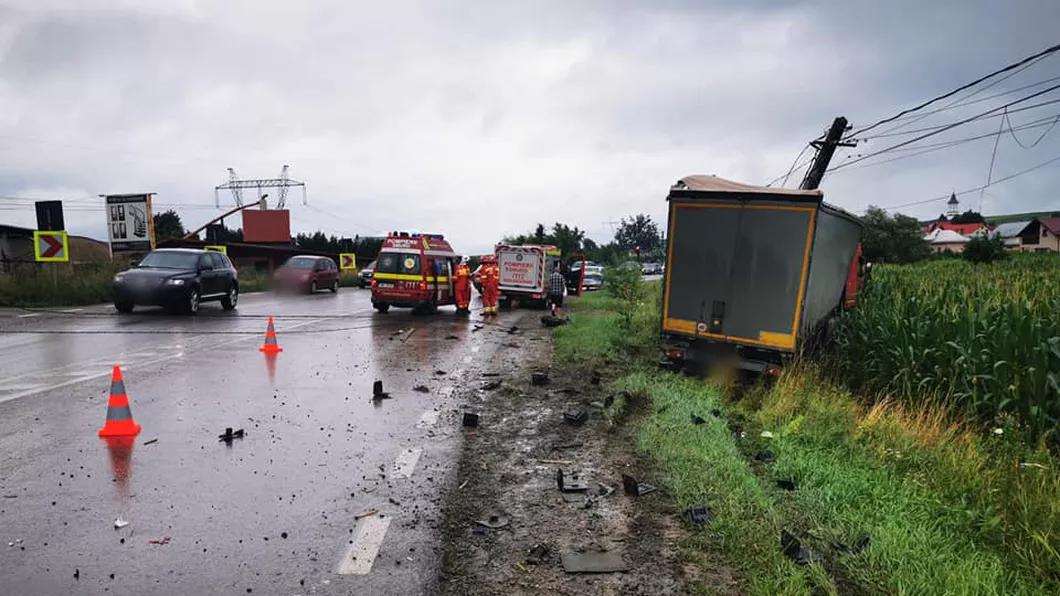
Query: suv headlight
175	282
119	278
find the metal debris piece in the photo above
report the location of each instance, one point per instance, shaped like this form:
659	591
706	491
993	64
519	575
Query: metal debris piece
120	523
634	488
796	551
537	554
490	386
578	419
561	462
440	373
539	379
697	420
786	484
229	435
513	330
698	515
164	540
150	441
421	389
450	337
470	419
476	328
494	522
368	513
605	490
377	391
593	562
571	484
765	457
408	335
487	375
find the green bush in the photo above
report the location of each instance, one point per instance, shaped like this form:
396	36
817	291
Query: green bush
64	286
981	249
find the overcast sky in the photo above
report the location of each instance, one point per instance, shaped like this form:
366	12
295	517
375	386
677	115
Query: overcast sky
478	118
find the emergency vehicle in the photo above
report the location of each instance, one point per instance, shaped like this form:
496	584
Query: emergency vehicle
414	271
525	270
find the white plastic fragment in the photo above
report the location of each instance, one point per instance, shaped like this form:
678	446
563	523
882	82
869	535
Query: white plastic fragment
766	434
120	523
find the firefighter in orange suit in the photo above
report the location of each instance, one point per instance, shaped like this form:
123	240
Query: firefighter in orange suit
462	286
491	282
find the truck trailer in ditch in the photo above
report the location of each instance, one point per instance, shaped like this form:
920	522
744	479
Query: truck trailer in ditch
753	274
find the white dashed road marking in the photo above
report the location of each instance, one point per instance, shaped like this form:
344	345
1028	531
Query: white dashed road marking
406	462
429	419
28	315
361	555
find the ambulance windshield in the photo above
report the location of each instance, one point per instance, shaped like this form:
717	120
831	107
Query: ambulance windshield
400	263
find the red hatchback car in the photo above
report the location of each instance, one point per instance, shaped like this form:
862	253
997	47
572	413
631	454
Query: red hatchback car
308	273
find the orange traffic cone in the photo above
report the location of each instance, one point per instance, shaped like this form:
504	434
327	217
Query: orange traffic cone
270	346
120	421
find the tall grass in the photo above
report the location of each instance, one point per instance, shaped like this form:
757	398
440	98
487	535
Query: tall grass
64	286
982	338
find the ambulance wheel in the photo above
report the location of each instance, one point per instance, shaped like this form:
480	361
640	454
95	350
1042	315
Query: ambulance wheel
382	307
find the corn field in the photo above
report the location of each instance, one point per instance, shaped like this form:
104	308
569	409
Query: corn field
982	338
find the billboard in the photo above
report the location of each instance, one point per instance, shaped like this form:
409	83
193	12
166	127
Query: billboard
271	226
130	225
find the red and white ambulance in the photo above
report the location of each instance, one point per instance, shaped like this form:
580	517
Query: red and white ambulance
525	270
414	271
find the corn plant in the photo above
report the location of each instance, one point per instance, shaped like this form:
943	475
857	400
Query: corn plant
983	338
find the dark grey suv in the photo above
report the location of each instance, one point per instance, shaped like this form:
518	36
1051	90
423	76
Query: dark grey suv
178	279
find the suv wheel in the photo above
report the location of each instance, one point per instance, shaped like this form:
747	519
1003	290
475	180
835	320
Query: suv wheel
313	287
230	299
334	286
192	306
123	306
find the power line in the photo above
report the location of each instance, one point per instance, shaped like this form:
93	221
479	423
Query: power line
978	188
940	126
947	127
923	149
793	167
1012	66
1012	131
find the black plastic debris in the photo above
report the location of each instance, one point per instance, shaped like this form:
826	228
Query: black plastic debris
421	389
440	373
513	330
229	435
538	554
487	375
698	515
766	457
796	550
470	420
715	413
539	379
859	546
493	522
377	391
570	484
578	419
491	385
594	378
786	484
554	321
593	562
450	337
697	420
634	488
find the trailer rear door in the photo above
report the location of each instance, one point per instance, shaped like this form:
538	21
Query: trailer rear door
703	238
736	271
769	274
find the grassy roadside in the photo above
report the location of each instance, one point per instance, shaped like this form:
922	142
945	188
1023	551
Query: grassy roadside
948	508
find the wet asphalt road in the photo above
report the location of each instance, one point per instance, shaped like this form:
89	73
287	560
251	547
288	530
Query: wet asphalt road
273	513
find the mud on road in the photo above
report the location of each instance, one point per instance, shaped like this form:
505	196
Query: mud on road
508	471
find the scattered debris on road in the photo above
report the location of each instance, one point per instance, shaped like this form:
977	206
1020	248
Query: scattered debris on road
164	540
593	562
421	389
408	335
572	484
796	550
494	522
120	523
229	435
377	391
539	379
368	513
634	488
151	441
470	419
578	419
538	554
491	385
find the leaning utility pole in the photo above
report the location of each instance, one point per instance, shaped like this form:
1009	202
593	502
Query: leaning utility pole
825	151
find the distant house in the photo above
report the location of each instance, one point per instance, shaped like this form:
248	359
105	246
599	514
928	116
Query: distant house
940	240
970	229
1012	233
1041	235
